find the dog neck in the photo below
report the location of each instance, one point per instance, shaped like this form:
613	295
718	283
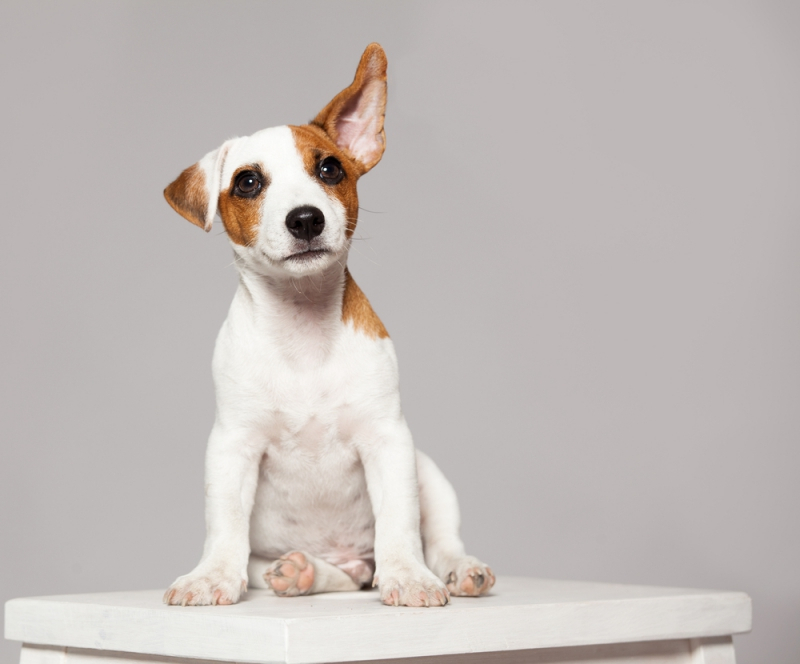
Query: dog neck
301	315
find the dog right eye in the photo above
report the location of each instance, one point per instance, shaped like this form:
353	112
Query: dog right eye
248	184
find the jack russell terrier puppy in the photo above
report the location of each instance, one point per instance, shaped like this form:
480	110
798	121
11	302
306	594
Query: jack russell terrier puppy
312	480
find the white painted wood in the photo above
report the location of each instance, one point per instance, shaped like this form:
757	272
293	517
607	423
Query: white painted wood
33	654
41	654
713	651
520	614
652	652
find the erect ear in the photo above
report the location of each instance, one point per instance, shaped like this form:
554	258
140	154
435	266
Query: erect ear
354	117
194	194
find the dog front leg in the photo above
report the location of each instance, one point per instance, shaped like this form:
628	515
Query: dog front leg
232	461
390	468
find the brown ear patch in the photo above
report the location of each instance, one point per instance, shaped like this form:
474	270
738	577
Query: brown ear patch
187	195
314	145
242	216
357	309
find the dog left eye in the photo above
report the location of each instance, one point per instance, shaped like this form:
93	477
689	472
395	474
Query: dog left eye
331	171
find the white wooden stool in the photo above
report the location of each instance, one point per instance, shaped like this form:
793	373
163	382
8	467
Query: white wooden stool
523	620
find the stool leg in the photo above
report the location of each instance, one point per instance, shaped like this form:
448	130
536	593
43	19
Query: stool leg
35	654
32	654
717	650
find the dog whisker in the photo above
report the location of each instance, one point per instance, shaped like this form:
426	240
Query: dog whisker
236	260
365	256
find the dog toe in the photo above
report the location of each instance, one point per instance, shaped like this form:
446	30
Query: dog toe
290	575
470	578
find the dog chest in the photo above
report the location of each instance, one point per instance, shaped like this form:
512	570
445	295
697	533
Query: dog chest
312	495
294	388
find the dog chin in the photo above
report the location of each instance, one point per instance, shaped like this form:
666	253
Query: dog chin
307	257
300	264
308	262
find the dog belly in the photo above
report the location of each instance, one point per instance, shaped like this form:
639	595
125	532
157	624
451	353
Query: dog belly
316	505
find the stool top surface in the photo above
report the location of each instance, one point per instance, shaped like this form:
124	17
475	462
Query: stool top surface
520	613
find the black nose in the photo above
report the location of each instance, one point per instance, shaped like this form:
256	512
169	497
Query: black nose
305	222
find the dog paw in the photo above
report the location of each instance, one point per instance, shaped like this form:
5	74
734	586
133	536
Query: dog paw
200	589
469	577
416	586
291	575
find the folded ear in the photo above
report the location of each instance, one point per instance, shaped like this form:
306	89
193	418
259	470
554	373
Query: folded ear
354	117
194	194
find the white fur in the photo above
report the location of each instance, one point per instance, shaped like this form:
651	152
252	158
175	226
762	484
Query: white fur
211	165
310	450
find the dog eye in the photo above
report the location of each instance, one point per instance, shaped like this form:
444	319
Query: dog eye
331	171
248	184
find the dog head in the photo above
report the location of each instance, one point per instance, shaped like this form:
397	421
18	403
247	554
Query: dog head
287	195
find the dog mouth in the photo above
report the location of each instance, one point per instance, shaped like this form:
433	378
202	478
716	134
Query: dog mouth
306	255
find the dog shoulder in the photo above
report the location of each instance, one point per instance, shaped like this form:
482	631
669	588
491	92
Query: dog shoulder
358	312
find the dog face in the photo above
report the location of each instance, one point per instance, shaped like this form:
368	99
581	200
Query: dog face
287	195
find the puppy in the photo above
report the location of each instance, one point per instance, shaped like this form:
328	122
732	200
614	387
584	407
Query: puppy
312	480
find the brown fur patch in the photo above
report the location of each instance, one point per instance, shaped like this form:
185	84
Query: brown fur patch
187	195
242	216
314	145
356	308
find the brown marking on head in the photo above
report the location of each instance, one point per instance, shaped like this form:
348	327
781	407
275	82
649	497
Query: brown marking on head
242	216
187	195
357	309
314	145
354	118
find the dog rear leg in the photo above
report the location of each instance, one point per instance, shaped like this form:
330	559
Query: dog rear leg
298	573
256	567
440	522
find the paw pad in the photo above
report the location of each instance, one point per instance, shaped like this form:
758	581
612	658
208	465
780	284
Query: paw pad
470	581
290	575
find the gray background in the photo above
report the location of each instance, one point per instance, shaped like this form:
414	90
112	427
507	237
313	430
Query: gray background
583	240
